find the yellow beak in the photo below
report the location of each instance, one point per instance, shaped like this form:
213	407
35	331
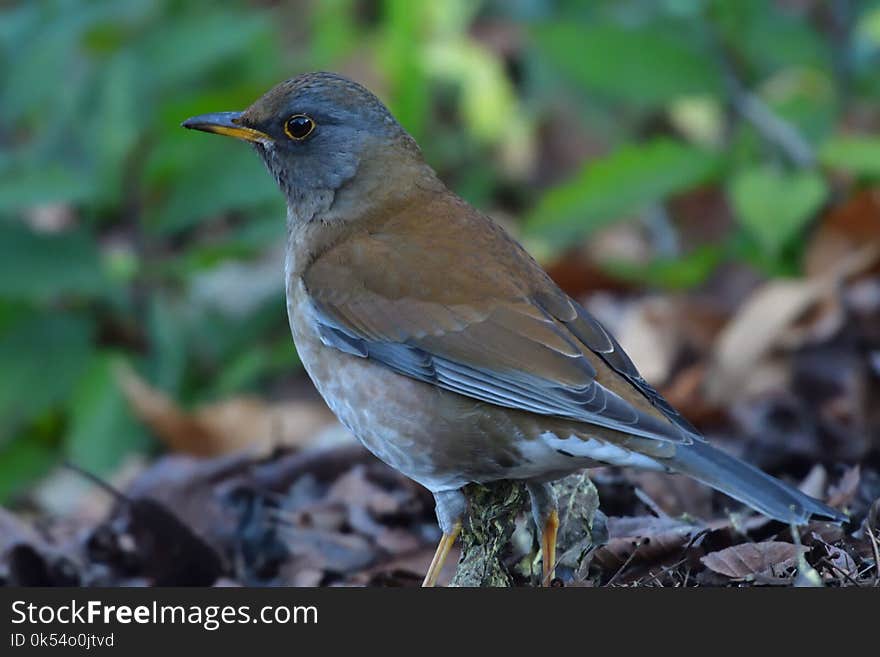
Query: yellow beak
225	123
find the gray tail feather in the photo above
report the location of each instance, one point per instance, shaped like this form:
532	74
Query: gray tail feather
749	485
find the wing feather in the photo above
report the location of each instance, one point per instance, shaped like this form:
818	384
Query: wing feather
513	340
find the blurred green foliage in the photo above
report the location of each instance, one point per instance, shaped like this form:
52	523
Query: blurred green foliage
126	239
621	183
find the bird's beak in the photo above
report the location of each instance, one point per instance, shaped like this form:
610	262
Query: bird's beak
225	123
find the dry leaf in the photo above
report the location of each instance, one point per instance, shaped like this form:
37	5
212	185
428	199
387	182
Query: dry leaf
354	489
750	559
650	333
815	481
844	492
225	426
334	552
395	540
767	318
651	539
578	276
687	393
843	230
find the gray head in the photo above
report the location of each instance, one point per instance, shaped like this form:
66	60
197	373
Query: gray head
315	132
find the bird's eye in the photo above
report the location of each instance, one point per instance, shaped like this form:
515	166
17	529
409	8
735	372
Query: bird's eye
299	126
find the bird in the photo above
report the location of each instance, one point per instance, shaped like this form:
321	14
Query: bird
438	341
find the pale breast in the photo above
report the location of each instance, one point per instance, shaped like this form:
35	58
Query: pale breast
388	413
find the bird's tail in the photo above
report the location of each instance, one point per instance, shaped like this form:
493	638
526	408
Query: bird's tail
749	485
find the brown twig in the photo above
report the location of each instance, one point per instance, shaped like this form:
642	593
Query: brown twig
625	563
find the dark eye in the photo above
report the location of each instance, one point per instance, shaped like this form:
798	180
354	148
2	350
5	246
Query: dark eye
299	126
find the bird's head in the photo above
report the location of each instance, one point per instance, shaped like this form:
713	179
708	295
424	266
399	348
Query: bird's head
319	133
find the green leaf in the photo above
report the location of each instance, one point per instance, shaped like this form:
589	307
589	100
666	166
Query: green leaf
102	430
401	61
43	357
646	67
858	155
37	268
21	462
770	38
620	184
774	206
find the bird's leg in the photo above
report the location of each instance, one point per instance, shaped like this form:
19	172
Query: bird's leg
546	517
450	506
548	546
443	547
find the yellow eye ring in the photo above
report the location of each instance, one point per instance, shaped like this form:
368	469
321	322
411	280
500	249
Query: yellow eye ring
299	126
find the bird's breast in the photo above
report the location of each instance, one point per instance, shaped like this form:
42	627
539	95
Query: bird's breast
398	419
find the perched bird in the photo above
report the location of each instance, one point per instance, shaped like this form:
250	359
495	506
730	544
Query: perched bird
437	340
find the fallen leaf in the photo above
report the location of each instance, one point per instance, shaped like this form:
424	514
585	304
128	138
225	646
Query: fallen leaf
334	552
687	393
225	426
766	318
846	489
815	481
651	334
575	273
355	489
644	539
842	230
750	559
398	541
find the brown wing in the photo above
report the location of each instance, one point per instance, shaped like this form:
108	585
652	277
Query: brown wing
454	302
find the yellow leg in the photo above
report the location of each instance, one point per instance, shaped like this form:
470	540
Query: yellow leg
548	546
440	555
